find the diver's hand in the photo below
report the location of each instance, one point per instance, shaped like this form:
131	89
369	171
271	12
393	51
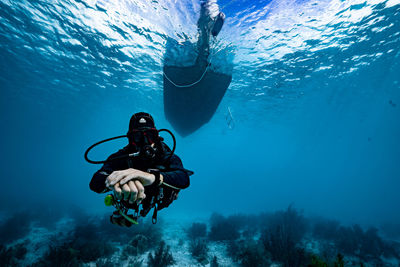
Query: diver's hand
133	191
124	176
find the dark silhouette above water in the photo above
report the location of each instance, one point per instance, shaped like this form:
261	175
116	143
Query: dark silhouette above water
192	94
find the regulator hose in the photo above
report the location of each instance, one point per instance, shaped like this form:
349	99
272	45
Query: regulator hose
128	155
173	139
98	143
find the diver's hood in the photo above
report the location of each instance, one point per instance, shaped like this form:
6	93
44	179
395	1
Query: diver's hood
141	120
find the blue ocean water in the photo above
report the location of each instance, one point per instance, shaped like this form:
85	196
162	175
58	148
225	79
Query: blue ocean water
311	118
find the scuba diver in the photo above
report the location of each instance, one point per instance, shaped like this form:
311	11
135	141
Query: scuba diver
143	175
192	93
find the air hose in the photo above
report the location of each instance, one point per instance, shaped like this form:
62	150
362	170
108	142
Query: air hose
128	155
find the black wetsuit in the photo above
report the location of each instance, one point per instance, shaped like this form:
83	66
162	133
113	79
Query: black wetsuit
172	170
